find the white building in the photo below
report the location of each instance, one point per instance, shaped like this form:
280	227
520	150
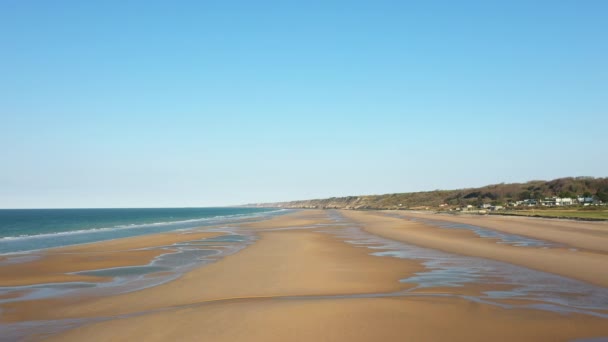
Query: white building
557	201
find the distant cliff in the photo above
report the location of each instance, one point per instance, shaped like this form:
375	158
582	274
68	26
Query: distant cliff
497	194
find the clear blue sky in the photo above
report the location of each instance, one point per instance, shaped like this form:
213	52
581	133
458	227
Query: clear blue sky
201	103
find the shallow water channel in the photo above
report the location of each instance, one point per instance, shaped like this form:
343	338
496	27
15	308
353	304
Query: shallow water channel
445	270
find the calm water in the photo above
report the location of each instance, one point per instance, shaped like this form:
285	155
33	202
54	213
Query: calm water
31	229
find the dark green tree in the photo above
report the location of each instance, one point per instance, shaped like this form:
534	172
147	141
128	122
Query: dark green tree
602	196
524	195
565	194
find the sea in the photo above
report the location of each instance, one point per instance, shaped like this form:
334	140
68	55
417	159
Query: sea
24	230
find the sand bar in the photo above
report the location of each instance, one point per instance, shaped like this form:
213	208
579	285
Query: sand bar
54	264
298	219
578	234
583	265
282	263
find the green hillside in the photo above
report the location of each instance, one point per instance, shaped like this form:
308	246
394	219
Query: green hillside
496	194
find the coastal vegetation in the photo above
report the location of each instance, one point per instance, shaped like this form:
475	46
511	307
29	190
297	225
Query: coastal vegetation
586	213
496	194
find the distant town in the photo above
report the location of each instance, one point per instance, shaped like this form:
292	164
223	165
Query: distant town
583	200
570	197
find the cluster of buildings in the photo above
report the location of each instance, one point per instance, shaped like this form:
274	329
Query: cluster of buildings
490	207
484	208
556	202
547	202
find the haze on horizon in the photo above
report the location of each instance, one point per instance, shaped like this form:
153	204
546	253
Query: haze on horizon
152	104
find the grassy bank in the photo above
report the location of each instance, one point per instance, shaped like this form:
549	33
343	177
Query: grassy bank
580	214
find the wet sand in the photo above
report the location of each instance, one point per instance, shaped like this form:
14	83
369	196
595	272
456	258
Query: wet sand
578	234
583	265
282	263
137	242
388	319
54	265
306	283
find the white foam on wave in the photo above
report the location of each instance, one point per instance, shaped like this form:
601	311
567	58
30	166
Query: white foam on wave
134	226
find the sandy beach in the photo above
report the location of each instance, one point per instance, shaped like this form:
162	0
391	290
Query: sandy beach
311	275
581	264
56	265
585	235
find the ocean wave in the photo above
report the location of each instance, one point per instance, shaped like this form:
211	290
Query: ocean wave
135	226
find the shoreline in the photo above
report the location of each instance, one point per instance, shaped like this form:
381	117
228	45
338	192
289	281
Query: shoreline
126	230
61	265
312	269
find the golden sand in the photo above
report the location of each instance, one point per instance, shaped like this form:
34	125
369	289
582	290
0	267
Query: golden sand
378	319
270	292
583	265
282	263
54	264
297	219
592	236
